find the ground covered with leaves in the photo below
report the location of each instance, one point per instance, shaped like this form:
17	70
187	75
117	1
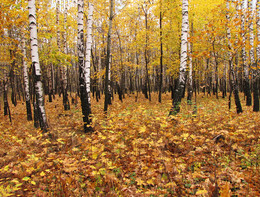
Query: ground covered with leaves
136	150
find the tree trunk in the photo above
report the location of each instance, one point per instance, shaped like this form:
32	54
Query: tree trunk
36	65
146	56
26	83
107	76
66	102
161	56
256	71
233	81
183	60
87	62
82	71
190	89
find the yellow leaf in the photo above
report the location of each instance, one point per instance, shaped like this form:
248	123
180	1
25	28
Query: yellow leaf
26	178
33	183
185	135
42	173
139	181
150	182
200	192
143	129
84	159
94	156
75	149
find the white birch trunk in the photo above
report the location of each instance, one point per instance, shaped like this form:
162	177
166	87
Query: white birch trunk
80	31
65	68
26	82
36	64
184	41
256	106
107	81
86	111
183	60
109	75
25	73
244	55
251	32
88	50
258	29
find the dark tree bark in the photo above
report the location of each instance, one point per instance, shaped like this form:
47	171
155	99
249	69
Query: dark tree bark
256	93
86	110
107	91
161	57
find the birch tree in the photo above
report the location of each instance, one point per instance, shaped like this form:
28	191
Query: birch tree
234	86
85	105
107	74
87	58
66	102
26	83
183	60
256	71
36	66
245	58
190	89
161	55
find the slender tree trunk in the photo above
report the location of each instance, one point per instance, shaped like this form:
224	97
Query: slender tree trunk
146	56
183	60
26	83
107	76
190	86
6	104
161	56
233	81
66	102
121	84
87	62
245	59
53	80
82	71
256	71
12	79
36	65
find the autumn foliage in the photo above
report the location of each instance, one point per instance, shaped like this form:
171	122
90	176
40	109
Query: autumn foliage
136	150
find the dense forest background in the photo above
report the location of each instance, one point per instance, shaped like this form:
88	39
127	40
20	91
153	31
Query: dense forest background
129	98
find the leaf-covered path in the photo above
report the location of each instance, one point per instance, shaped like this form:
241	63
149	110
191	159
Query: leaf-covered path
137	150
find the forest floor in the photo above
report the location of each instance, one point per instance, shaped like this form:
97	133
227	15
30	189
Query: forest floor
136	150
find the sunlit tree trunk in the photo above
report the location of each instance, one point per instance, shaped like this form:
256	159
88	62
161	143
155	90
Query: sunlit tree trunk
183	60
66	102
256	71
37	69
82	70
245	58
161	56
121	84
234	85
146	57
26	83
6	104
12	77
107	74
87	60
190	85
60	68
